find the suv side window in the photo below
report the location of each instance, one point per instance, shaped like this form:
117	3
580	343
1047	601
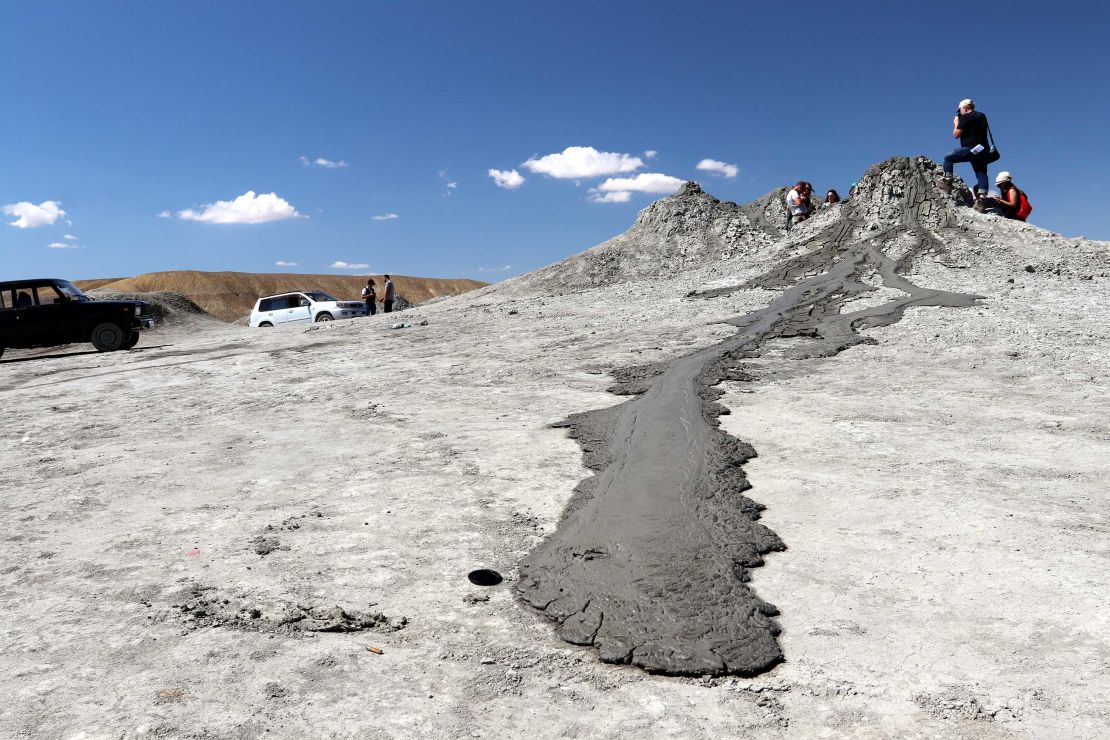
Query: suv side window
266	304
5	299
46	295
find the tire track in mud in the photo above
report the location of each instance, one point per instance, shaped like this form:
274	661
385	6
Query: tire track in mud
649	563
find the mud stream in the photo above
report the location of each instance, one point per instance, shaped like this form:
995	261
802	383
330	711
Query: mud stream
649	563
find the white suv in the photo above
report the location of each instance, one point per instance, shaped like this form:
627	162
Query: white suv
303	308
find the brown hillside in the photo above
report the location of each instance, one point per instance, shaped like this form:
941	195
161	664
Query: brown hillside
94	284
231	295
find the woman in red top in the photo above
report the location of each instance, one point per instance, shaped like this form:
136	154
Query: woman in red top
1008	204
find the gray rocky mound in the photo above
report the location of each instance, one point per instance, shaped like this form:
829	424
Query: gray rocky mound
687	229
650	562
166	306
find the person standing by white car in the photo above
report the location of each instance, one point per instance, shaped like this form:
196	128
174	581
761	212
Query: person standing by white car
387	299
370	295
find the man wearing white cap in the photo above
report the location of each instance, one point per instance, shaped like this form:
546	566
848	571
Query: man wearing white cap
970	127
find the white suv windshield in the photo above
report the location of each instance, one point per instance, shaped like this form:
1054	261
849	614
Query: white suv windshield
319	295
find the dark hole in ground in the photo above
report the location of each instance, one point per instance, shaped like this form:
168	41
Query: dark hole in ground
484	577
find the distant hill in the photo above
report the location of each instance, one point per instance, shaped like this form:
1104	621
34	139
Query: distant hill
87	285
231	295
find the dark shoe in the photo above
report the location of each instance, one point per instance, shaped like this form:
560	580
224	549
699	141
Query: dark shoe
945	184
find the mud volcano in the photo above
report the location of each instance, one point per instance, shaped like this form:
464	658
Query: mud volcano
650	561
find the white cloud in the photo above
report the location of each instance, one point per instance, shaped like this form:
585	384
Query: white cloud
645	182
451	184
164	214
340	265
721	168
619	196
328	164
583	161
506	268
62	245
283	263
620	189
30	216
650	154
248	208
70	237
508	179
385	217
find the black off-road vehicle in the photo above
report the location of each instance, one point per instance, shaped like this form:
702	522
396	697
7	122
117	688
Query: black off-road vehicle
48	312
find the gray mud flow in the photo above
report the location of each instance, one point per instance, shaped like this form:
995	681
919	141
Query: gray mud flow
649	563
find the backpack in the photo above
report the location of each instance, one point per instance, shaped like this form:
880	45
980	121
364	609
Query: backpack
1024	207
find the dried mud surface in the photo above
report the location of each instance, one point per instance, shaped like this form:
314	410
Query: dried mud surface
941	486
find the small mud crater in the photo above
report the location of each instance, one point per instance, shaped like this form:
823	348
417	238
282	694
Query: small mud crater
484	577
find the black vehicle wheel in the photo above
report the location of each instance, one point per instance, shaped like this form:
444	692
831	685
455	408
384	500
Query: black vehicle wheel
265	325
132	340
108	337
323	317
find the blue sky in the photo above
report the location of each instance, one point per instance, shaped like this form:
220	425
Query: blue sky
116	112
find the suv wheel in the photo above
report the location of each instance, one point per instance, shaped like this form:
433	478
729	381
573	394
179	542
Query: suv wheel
108	337
265	325
323	317
132	340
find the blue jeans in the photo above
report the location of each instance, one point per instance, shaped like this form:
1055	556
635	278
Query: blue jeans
963	154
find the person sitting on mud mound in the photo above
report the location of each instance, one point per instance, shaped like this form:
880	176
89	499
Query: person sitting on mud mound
832	197
1012	203
798	203
970	127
